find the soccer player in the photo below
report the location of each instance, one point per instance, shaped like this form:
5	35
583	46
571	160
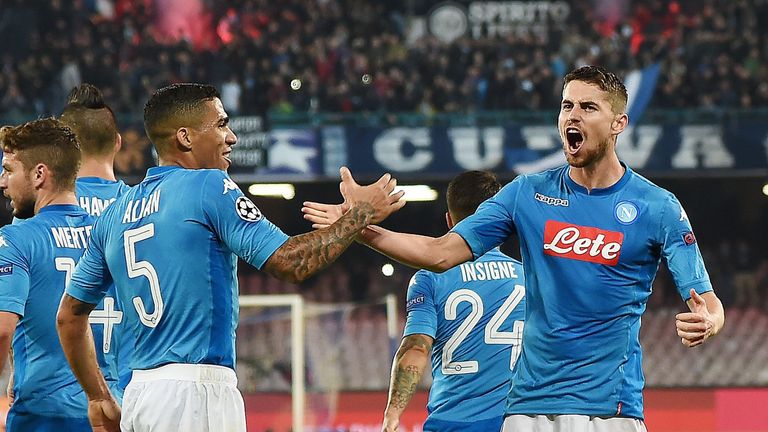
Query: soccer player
592	234
471	319
37	257
95	126
170	244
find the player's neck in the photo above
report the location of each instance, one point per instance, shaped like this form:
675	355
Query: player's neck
101	168
599	175
46	198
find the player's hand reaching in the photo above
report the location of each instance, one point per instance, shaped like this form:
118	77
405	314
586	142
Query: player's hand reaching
321	215
104	415
379	196
696	326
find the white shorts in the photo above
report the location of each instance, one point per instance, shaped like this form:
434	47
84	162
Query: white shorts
183	397
571	423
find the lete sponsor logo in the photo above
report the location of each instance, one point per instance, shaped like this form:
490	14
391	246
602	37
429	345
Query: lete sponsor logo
582	243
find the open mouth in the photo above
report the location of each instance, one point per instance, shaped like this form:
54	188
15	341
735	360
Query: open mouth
574	138
226	157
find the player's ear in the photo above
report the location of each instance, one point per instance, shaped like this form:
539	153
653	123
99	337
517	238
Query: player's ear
39	175
183	139
449	220
118	143
619	123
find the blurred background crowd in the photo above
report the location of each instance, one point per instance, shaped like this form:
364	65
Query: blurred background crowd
350	56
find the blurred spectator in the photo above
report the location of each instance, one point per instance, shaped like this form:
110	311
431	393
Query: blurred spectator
353	56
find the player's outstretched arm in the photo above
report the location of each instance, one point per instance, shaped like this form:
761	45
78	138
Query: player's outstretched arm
434	254
304	255
705	319
77	341
410	361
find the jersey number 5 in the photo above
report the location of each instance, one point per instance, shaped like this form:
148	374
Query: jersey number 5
145	269
493	335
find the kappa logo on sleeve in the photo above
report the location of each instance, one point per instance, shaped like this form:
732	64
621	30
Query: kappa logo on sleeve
3	243
6	269
229	185
247	210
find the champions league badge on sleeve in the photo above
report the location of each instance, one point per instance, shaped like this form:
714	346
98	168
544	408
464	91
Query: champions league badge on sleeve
626	212
247	210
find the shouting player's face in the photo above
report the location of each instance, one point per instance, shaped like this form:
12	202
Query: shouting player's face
588	126
16	183
213	139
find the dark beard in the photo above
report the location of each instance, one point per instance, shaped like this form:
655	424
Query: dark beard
23	209
588	159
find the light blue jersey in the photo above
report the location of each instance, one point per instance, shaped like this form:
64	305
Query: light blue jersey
37	256
590	259
94	194
170	245
474	312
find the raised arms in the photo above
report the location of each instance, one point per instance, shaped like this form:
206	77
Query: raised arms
304	255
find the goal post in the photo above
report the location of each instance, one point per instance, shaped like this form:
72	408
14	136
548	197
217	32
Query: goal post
296	303
267	311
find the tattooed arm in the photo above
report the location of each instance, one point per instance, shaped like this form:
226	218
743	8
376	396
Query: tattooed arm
304	255
77	341
410	361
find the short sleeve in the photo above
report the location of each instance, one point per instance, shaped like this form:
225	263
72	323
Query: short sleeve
91	278
421	315
681	252
237	221
14	274
492	224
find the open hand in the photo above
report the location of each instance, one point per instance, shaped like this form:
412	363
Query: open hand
321	215
379	198
696	326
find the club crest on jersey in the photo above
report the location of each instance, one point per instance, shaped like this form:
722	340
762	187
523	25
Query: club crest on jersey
247	210
6	269
551	201
229	185
625	212
582	243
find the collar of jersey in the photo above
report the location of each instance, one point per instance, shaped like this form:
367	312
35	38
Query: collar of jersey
159	170
599	191
60	208
97	180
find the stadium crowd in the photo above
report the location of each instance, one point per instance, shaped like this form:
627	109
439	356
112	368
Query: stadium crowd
351	57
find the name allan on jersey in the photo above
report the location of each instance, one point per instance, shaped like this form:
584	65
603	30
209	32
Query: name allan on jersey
137	209
489	270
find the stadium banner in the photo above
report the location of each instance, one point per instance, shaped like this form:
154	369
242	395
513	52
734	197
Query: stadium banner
309	153
666	410
443	151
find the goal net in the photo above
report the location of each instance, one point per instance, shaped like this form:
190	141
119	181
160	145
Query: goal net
294	357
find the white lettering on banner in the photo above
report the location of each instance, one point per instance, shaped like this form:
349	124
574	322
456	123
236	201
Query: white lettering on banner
467	147
635	144
702	142
541	137
388	149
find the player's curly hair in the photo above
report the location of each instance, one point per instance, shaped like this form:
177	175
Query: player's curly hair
46	141
607	81
468	190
